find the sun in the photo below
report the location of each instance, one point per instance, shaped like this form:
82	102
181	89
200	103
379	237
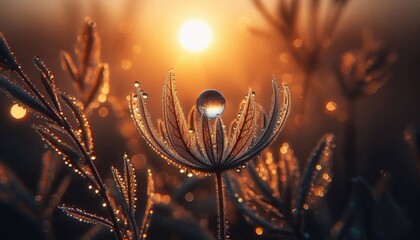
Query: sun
195	35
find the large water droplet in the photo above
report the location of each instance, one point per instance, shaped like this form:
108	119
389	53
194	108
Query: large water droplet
211	103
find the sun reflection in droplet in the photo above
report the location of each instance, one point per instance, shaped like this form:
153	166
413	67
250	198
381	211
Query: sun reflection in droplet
211	103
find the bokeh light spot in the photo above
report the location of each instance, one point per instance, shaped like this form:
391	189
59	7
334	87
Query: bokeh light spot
17	111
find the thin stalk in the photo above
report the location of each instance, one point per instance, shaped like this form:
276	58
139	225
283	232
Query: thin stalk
350	139
37	94
306	83
99	182
221	211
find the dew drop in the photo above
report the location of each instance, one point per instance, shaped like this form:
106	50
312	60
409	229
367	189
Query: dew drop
211	103
136	84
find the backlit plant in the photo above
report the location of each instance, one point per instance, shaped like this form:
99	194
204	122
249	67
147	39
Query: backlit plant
201	145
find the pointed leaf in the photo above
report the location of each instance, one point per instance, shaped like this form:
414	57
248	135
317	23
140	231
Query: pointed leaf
219	139
131	183
206	133
148	212
100	78
67	63
143	122
47	78
84	216
280	107
175	122
18	93
317	175
243	130
88	46
7	58
81	119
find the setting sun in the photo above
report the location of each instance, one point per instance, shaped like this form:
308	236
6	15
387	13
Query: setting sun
195	35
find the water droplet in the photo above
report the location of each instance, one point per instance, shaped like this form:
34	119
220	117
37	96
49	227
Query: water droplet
211	103
136	84
191	130
144	95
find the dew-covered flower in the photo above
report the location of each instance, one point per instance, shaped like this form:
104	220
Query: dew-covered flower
274	193
201	143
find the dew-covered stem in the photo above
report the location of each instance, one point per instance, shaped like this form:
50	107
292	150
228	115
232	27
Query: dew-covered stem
221	210
98	181
37	94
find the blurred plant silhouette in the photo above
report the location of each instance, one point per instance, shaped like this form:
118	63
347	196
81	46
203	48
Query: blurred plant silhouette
274	194
197	146
90	75
370	213
38	208
306	28
360	73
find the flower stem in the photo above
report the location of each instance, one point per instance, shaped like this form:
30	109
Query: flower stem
221	211
350	137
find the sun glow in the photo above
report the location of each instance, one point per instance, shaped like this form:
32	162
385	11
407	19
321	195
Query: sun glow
195	35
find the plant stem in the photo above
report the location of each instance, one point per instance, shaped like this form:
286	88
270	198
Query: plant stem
99	183
350	138
221	211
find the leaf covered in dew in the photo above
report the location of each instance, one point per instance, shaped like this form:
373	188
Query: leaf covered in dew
317	175
279	110
148	212
127	184
7	58
175	122
160	143
84	132
18	93
270	191
83	216
243	130
48	80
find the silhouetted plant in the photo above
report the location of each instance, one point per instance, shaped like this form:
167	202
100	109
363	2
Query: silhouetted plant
275	194
307	28
67	131
411	136
200	146
372	213
360	73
